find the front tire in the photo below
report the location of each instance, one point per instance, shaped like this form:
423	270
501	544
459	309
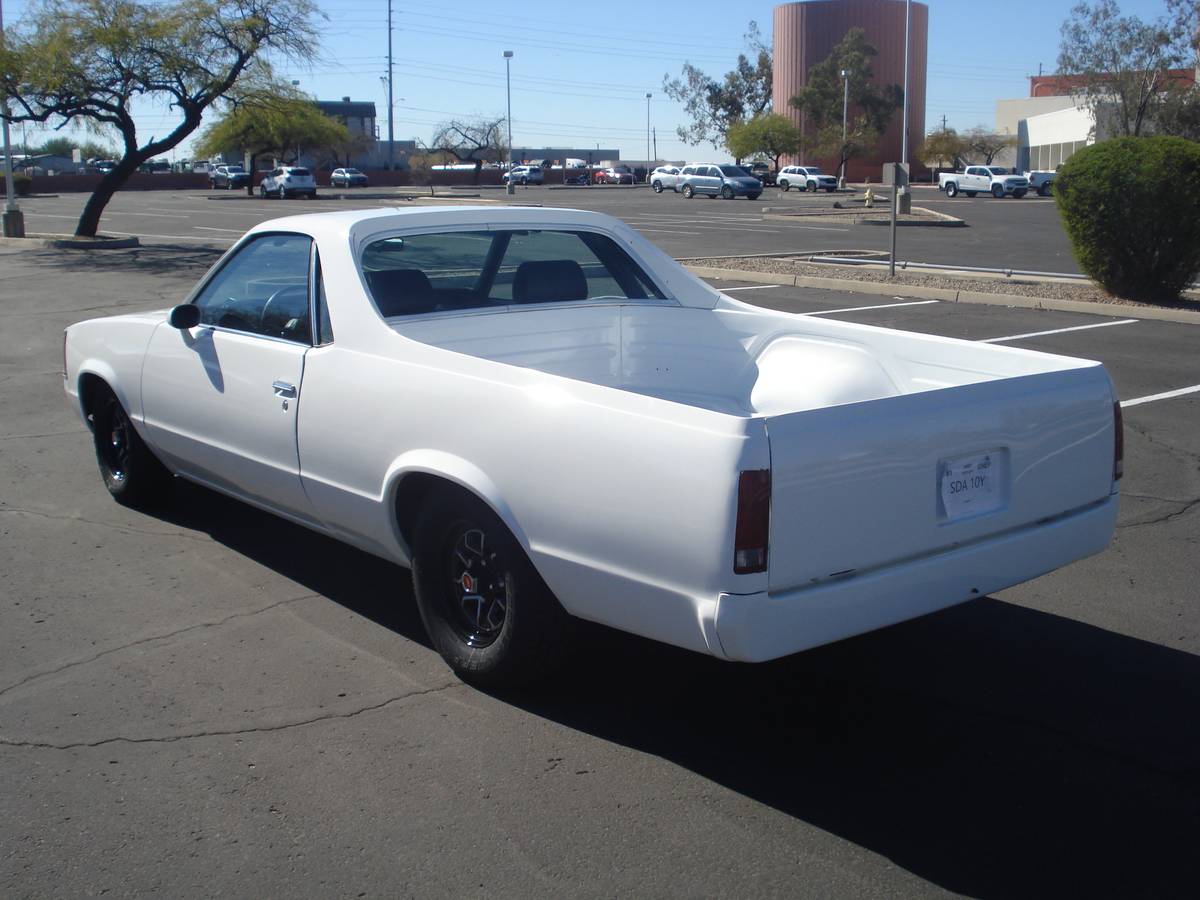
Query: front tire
726	193
785	185
131	473
688	191
486	609
811	187
997	192
657	186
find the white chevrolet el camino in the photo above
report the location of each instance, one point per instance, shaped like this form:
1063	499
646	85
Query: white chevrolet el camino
546	417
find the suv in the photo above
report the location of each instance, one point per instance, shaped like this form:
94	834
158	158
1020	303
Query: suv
288	181
665	177
347	178
718	181
805	178
524	175
228	177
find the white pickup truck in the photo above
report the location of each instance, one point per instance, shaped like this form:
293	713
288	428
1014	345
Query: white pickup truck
994	180
546	417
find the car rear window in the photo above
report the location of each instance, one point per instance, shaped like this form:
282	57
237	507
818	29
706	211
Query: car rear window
300	172
463	270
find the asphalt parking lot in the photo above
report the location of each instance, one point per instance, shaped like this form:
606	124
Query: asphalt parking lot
1016	234
209	700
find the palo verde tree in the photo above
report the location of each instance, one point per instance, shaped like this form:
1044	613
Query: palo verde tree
821	102
770	135
472	140
715	106
90	61
271	121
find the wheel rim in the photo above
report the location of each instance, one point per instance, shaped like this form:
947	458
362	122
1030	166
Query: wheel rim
476	586
115	443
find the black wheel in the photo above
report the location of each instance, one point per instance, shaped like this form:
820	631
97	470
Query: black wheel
970	193
688	191
951	189
811	186
262	191
753	196
1044	189
783	184
130	471
487	611
998	191
726	192
657	187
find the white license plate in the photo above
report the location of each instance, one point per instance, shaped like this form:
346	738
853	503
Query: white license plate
970	485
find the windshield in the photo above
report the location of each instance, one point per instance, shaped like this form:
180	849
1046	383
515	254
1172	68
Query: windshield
463	270
300	172
733	171
234	169
352	171
813	170
996	170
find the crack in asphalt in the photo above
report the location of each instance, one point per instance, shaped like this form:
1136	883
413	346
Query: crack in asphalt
127	529
1142	431
157	637
1158	520
1152	497
43	434
255	729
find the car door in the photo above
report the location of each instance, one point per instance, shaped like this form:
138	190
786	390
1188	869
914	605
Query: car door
975	180
221	399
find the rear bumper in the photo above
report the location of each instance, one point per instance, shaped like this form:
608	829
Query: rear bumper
758	627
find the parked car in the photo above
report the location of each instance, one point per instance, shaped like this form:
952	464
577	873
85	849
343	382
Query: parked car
810	479
718	181
288	181
577	176
524	175
995	180
615	175
665	177
102	166
228	177
1042	182
763	172
347	178
806	178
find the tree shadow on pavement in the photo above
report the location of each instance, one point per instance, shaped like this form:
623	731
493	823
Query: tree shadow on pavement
990	749
183	260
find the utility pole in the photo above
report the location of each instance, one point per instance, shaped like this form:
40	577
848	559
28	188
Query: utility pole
906	203
508	54
391	129
655	129
648	96
845	107
943	123
14	219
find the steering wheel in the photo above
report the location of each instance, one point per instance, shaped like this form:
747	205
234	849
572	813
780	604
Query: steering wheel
279	299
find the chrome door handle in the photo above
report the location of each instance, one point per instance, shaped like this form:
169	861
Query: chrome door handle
283	389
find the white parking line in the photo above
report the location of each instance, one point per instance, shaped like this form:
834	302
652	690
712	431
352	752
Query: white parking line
168	237
1165	395
661	230
757	287
830	312
1032	334
211	228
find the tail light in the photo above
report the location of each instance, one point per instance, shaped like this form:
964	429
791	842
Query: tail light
1118	443
753	522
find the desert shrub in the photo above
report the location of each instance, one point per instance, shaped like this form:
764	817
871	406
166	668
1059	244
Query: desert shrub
22	184
1131	207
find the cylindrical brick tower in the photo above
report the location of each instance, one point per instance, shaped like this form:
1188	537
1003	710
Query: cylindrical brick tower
806	33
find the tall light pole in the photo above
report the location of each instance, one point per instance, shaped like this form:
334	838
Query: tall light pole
845	108
14	219
904	120
648	96
391	128
508	54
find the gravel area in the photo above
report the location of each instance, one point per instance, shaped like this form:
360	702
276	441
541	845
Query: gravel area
1026	287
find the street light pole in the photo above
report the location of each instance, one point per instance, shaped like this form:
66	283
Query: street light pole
845	107
508	54
14	219
648	96
904	120
391	128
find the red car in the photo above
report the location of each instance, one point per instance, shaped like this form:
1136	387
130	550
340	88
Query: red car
614	175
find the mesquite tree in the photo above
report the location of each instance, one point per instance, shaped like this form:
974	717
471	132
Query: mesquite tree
89	61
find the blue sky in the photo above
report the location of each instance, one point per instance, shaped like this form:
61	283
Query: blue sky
580	75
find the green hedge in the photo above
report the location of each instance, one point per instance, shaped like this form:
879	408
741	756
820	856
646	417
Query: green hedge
1131	207
22	184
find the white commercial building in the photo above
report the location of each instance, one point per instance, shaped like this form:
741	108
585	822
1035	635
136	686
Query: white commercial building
1049	130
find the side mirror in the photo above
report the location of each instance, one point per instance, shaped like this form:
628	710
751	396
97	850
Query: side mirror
184	316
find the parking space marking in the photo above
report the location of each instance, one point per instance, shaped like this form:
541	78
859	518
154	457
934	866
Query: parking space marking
830	312
212	228
1033	334
171	237
756	287
1165	395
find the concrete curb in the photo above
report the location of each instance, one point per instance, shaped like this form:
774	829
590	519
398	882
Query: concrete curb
57	242
950	295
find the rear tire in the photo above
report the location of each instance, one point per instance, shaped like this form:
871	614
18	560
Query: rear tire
131	473
657	186
1045	189
488	612
784	185
951	189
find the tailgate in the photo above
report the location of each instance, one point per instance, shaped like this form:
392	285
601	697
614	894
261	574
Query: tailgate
863	485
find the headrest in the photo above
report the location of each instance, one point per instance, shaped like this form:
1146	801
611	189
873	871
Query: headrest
401	292
546	280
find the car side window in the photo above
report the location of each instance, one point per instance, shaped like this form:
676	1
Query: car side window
324	325
262	289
